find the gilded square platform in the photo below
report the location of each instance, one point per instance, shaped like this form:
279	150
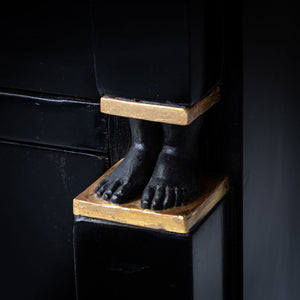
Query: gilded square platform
178	219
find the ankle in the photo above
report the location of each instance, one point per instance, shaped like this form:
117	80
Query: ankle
146	147
181	151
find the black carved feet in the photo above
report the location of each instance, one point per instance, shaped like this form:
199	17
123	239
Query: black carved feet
173	182
128	180
175	179
167	170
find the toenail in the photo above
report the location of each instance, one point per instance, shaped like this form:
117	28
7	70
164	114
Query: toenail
114	198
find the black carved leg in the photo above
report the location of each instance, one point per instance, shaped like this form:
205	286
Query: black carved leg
175	179
128	180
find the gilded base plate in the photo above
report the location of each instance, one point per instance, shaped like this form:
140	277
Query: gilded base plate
158	112
177	219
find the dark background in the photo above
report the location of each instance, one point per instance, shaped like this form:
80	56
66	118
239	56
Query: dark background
54	142
271	145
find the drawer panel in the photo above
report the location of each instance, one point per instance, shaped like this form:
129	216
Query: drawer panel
36	221
55	121
47	47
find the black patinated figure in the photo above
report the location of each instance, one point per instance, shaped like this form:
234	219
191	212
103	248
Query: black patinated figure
167	53
132	175
161	164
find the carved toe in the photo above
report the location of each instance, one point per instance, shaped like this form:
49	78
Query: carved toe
169	198
147	197
157	202
121	194
99	186
111	189
102	190
178	196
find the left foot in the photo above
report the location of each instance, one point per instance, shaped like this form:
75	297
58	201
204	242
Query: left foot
174	181
128	180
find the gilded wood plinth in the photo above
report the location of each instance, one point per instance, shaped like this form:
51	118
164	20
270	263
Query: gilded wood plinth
158	113
177	219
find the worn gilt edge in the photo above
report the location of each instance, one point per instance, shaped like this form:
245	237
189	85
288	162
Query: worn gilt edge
148	218
158	113
164	222
211	201
179	223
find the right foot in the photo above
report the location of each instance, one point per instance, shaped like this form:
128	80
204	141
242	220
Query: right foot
128	180
175	179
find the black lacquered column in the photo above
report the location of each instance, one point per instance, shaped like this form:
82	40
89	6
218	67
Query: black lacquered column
116	260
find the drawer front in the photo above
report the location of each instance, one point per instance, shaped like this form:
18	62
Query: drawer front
47	47
37	220
53	121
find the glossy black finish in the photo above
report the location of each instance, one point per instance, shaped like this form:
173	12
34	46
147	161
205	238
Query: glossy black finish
46	46
114	261
158	51
163	161
53	120
128	180
271	126
225	147
37	188
221	143
175	179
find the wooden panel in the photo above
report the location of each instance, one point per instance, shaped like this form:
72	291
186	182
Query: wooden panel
46	47
37	187
166	52
56	121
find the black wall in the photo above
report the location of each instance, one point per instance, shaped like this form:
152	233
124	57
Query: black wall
271	125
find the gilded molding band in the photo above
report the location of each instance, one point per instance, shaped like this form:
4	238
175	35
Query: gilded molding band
177	219
156	112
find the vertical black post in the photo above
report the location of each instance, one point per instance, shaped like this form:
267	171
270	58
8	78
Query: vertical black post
116	261
130	252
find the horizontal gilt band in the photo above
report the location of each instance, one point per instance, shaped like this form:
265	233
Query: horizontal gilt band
157	112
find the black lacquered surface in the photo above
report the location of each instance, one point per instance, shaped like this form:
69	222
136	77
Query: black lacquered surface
159	51
37	188
271	125
53	120
115	261
46	47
